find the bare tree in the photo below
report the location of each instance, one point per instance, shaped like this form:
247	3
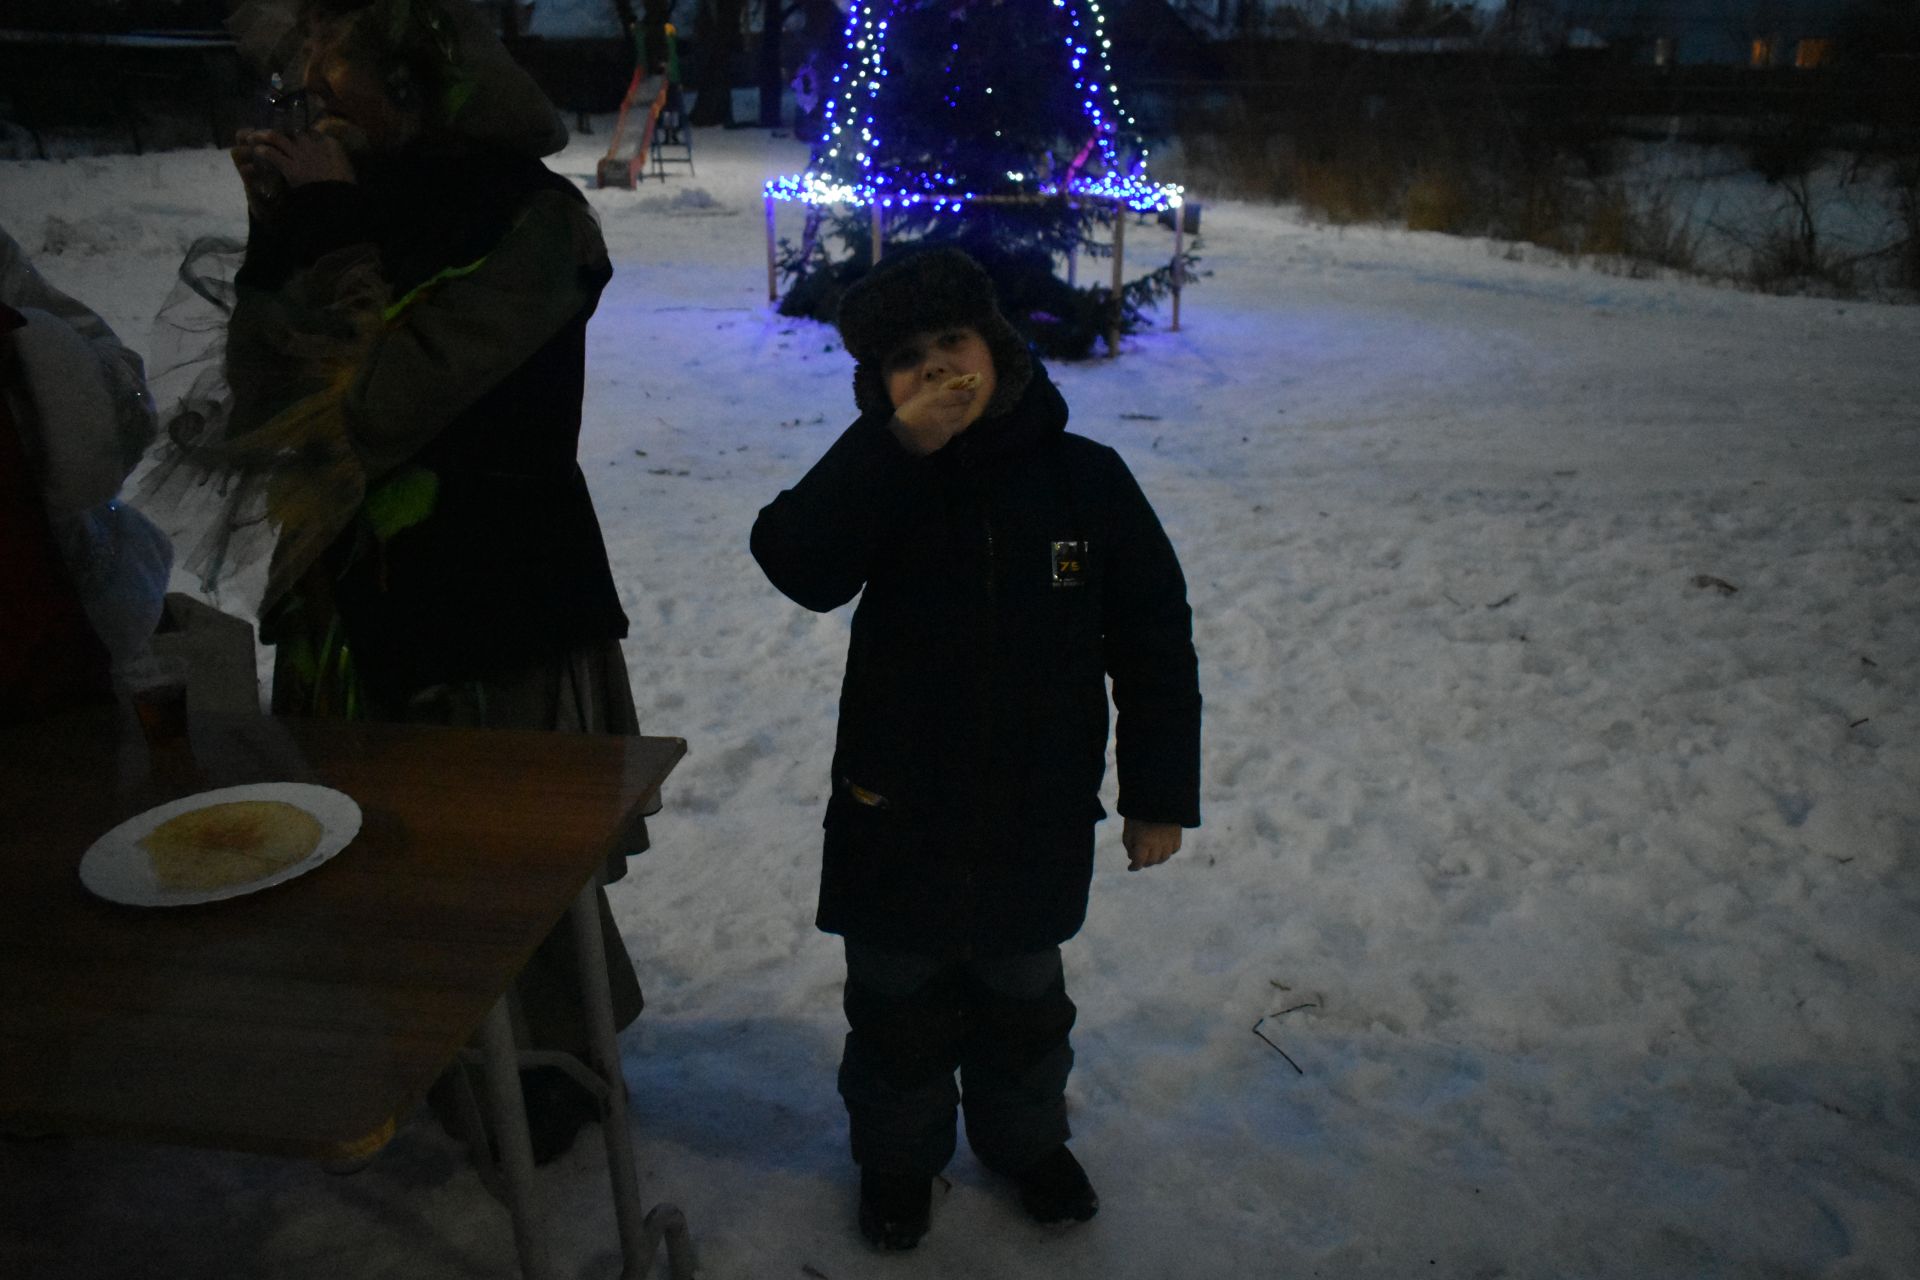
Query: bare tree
719	45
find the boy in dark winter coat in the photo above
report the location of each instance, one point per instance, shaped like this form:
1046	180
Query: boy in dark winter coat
1009	568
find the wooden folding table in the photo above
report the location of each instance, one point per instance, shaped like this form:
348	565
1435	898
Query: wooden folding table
308	1018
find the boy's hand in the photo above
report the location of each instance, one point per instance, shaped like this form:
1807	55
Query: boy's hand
1149	844
935	414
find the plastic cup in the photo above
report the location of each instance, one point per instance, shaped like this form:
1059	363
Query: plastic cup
157	686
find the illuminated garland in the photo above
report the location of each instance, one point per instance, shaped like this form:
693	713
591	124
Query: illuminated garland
842	169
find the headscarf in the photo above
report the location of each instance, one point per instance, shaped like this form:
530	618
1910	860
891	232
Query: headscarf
434	56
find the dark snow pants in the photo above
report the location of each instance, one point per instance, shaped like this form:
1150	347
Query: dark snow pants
913	1020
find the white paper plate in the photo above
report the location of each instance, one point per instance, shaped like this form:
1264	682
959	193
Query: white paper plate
117	868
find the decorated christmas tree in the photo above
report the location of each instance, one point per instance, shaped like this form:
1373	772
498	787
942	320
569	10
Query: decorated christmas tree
995	125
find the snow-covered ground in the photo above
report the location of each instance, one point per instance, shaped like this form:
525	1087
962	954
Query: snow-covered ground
1588	883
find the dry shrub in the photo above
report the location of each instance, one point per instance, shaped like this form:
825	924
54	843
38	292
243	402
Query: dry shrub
1347	186
1208	165
1636	235
1439	199
1539	208
1610	230
1236	153
1906	184
1787	261
1657	236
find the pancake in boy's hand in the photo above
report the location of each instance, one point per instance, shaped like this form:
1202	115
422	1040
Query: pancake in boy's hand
965	382
229	844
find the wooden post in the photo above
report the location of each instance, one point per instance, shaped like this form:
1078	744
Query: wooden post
879	231
773	292
1119	274
1179	268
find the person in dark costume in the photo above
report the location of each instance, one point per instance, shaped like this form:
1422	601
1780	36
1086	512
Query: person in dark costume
403	368
1006	569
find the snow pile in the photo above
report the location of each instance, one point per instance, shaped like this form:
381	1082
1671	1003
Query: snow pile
1562	654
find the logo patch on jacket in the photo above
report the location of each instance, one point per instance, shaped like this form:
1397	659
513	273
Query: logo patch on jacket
1070	564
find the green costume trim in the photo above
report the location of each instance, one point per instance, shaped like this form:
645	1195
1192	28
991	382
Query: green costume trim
400	501
394	310
325	680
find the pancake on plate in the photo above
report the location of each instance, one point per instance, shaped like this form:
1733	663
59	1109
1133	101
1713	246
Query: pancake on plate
229	844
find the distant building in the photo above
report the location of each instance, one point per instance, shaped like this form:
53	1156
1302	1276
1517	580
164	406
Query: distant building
1753	33
1766	33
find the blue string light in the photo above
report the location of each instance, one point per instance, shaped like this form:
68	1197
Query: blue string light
1101	173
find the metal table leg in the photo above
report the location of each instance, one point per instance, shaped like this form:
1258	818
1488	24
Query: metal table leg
640	1232
591	950
507	1109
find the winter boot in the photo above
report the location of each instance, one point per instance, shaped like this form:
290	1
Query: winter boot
894	1208
1054	1188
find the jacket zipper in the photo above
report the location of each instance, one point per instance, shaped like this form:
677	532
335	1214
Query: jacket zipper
990	631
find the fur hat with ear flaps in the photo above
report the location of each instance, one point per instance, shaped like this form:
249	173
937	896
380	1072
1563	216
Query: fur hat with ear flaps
917	290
